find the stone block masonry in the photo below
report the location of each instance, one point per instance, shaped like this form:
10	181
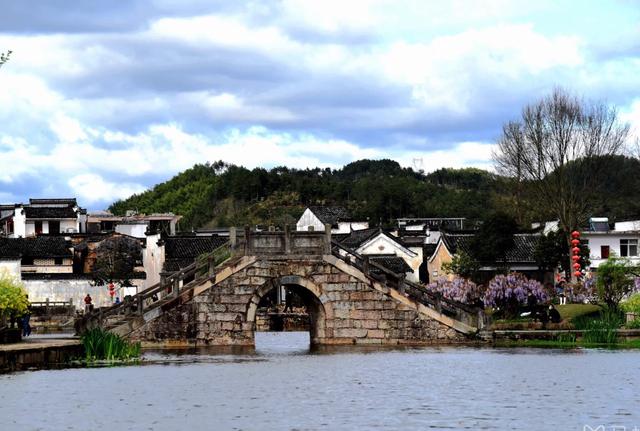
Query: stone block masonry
344	306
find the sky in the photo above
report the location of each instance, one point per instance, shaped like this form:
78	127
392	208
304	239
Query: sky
103	99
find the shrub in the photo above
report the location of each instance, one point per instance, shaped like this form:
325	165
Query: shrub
631	305
508	292
458	289
615	280
13	299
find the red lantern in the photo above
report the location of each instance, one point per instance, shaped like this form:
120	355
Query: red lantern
577	274
112	289
575	234
575	258
576	250
575	242
576	266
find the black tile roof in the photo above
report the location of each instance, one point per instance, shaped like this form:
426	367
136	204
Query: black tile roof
38	247
59	201
358	237
181	252
49	212
522	251
428	250
10	248
331	215
391	262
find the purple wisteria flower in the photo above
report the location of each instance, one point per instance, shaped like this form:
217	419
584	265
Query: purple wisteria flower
512	290
458	289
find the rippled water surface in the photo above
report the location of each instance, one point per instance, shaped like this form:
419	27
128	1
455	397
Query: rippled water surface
285	386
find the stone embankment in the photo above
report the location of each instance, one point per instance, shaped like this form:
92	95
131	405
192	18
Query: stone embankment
39	353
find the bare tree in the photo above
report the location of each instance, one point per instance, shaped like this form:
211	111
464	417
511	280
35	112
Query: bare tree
4	57
559	149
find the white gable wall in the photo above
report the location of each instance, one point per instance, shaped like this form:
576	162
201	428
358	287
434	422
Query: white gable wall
382	244
308	221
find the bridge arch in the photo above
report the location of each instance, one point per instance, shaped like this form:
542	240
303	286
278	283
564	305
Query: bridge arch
316	303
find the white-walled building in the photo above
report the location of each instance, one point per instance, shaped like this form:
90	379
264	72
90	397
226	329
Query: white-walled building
386	249
603	241
314	218
132	224
42	217
621	241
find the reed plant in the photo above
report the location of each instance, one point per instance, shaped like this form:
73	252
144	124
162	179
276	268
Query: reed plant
101	345
600	330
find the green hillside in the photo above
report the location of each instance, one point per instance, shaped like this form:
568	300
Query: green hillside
220	194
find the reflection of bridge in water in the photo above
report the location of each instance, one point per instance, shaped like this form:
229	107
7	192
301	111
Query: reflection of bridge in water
349	300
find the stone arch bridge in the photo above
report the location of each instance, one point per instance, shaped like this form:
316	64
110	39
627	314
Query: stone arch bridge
349	299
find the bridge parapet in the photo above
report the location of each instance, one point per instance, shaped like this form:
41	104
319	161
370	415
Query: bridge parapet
281	243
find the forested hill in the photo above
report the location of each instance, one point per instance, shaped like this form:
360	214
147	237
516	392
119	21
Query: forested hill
219	194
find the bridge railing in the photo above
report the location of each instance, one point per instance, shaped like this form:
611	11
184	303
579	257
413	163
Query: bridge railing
472	316
204	267
280	243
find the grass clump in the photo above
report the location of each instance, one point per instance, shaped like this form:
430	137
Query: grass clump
600	330
101	345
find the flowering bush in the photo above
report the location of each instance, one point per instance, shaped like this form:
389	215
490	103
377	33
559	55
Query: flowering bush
582	292
508	292
458	289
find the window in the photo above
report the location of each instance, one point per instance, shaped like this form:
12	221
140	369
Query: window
38	227
58	261
628	247
54	227
27	261
604	252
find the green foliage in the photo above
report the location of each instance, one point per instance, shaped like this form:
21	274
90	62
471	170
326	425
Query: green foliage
553	250
102	345
116	260
462	265
634	324
600	330
494	238
13	299
616	278
219	194
631	305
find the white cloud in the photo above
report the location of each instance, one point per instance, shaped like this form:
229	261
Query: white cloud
92	188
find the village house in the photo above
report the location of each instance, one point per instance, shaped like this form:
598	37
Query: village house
387	250
314	218
163	255
605	240
132	224
42	217
520	257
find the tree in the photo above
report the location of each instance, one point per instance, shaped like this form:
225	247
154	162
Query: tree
462	265
616	278
116	260
552	251
494	238
4	57
13	299
557	150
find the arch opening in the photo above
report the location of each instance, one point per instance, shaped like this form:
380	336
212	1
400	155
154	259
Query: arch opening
288	304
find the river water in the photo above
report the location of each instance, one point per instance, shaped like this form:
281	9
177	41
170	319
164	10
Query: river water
285	386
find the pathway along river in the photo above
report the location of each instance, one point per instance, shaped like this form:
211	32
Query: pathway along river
283	386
